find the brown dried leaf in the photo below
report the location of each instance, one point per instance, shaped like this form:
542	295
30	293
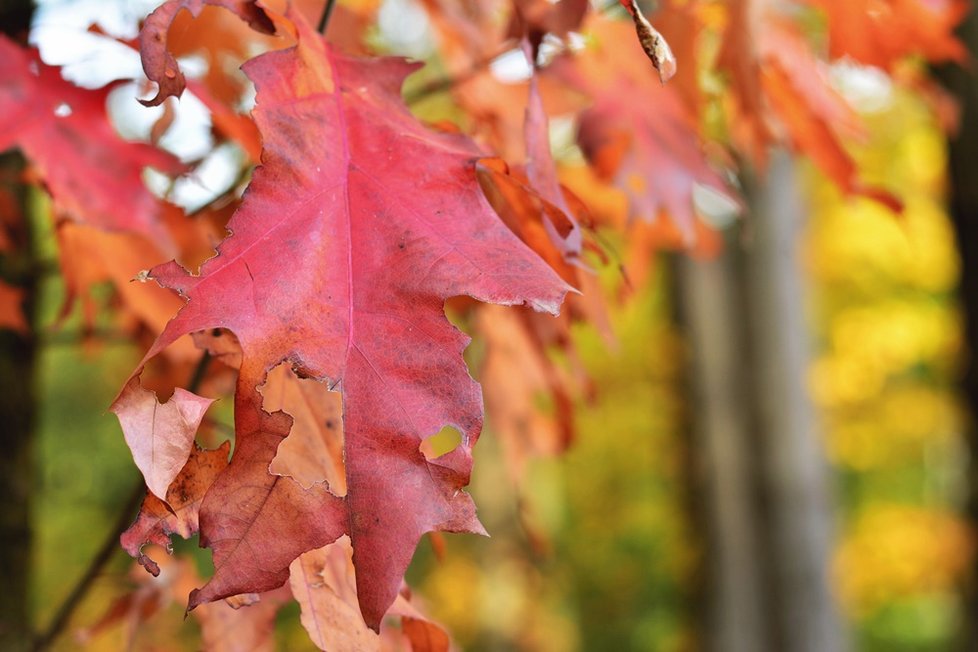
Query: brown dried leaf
654	45
179	514
313	451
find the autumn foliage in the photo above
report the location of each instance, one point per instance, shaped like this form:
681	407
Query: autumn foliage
317	296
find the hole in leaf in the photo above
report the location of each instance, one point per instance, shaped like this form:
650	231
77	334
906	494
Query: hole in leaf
162	375
442	442
313	451
221	344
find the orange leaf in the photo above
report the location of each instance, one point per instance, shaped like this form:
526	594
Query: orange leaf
881	32
157	519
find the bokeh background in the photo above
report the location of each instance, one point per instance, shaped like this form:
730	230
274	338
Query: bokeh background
611	545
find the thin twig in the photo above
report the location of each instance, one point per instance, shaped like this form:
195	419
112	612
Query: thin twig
446	83
109	546
477	67
105	552
324	19
199	372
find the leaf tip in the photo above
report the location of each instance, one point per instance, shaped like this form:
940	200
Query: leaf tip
156	101
666	68
151	566
193	601
552	304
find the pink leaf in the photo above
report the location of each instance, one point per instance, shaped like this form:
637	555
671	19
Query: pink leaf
160	435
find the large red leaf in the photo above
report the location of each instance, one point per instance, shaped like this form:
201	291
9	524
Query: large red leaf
93	175
354	231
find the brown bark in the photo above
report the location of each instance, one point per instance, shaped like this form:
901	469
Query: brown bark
762	477
792	467
17	398
17	356
721	447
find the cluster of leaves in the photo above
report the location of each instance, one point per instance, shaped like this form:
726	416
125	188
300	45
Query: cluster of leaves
361	222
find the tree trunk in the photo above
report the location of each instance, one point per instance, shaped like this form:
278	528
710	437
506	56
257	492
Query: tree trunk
763	483
792	466
963	207
712	314
17	357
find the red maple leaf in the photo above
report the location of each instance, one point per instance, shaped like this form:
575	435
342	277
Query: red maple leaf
91	172
356	228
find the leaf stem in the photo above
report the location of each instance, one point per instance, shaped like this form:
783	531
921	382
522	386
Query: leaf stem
324	19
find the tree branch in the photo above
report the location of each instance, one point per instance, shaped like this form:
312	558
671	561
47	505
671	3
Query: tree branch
110	545
324	19
446	83
105	552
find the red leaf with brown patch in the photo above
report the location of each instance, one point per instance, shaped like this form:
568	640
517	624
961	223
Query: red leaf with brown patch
357	227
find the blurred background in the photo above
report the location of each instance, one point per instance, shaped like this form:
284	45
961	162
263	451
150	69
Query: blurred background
774	450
